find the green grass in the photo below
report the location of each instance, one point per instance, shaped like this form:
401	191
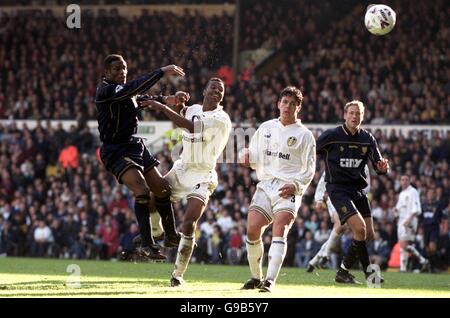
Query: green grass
25	277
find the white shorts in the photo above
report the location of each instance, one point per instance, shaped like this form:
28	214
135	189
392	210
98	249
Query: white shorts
267	200
331	209
407	233
185	184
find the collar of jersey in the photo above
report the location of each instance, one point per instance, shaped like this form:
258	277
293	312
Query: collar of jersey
218	108
348	132
298	122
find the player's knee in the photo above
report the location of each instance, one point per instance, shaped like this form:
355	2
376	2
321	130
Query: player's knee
162	190
370	236
360	233
339	229
141	189
253	231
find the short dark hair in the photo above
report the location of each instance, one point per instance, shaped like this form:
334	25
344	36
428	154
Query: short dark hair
214	79
294	92
111	59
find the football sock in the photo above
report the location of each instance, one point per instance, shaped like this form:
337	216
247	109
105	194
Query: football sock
255	250
404	255
332	241
412	249
165	210
143	218
363	255
277	252
183	255
352	255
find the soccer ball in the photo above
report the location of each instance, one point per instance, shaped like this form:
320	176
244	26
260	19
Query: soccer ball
379	19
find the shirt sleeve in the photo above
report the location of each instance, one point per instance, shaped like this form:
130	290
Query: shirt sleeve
323	141
319	195
415	204
253	149
303	178
117	92
374	154
399	202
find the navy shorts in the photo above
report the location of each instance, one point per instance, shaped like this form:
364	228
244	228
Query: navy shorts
118	158
430	234
348	201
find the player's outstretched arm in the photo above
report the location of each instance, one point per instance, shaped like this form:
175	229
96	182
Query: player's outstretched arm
177	119
172	70
117	92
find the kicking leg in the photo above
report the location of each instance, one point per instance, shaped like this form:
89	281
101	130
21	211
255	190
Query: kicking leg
194	211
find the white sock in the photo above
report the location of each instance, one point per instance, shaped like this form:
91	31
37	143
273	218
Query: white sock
403	259
322	252
277	252
255	251
183	255
416	253
155	222
332	242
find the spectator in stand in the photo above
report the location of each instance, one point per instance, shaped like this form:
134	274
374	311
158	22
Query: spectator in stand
42	239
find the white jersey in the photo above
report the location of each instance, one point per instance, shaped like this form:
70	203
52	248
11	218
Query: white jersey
202	149
287	153
408	203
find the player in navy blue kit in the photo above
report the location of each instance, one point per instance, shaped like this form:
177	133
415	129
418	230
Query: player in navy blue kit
431	219
125	155
346	150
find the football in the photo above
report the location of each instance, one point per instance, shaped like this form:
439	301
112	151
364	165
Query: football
380	19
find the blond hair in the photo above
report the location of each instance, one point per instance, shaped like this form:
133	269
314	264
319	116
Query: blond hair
354	103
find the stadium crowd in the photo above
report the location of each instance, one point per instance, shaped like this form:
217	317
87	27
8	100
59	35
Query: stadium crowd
57	200
50	72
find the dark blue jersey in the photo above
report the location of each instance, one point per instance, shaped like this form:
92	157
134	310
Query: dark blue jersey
346	155
431	213
117	108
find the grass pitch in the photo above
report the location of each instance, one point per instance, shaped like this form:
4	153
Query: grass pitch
26	277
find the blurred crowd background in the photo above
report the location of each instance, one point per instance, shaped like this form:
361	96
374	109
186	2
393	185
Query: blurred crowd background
57	200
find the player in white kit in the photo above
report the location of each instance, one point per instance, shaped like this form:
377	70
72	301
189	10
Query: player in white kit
407	210
283	153
193	176
323	256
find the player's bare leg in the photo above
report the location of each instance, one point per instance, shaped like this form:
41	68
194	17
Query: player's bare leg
194	211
